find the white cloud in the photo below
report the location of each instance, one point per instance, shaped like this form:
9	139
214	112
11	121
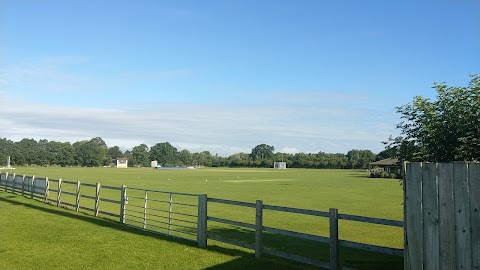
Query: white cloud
220	129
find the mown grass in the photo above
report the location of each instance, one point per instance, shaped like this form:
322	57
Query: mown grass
349	191
34	235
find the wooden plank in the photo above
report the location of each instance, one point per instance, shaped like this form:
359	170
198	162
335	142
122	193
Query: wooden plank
6	181
32	186
414	216
97	198
69	182
23	185
232	222
145	211
334	243
202	226
123	197
296	210
88	185
69	193
463	246
297	234
378	249
69	204
77	197
406	259
170	213
59	192
231	242
87	196
109	200
389	222
474	181
13	183
246	204
298	258
112	187
87	208
258	229
431	254
167	192
446	214
47	186
108	214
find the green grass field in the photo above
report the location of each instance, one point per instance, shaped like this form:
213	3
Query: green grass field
349	191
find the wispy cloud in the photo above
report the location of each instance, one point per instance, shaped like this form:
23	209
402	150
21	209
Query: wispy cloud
220	129
48	75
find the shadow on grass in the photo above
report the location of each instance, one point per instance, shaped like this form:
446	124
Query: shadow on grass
243	260
319	251
355	258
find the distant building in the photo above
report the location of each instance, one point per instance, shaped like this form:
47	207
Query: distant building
122	163
280	165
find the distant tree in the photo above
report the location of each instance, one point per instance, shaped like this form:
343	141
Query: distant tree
131	160
447	129
140	155
164	153
262	151
89	153
8	148
114	152
185	157
359	159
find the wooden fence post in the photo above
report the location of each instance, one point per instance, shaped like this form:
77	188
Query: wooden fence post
32	186
13	183
59	193
47	186
97	199
170	213
462	216
474	180
258	229
202	221
145	211
334	254
23	185
123	196
6	181
77	197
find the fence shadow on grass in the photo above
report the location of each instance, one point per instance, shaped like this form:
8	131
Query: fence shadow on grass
355	258
243	260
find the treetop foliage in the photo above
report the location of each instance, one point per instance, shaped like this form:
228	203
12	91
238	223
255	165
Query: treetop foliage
443	130
95	152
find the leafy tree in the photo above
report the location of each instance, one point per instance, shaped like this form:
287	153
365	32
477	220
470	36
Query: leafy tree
262	151
114	152
164	153
185	157
359	159
8	148
446	129
140	155
89	153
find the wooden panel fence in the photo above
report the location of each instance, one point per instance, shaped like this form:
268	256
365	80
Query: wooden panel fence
442	203
184	215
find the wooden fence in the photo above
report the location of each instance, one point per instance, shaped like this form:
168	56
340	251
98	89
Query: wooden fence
442	216
191	220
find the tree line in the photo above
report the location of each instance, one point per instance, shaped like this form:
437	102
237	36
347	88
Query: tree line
95	152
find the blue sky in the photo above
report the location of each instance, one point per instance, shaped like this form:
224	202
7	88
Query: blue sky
225	76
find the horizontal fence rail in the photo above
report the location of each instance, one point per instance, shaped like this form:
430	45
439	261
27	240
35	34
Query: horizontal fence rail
184	215
333	240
